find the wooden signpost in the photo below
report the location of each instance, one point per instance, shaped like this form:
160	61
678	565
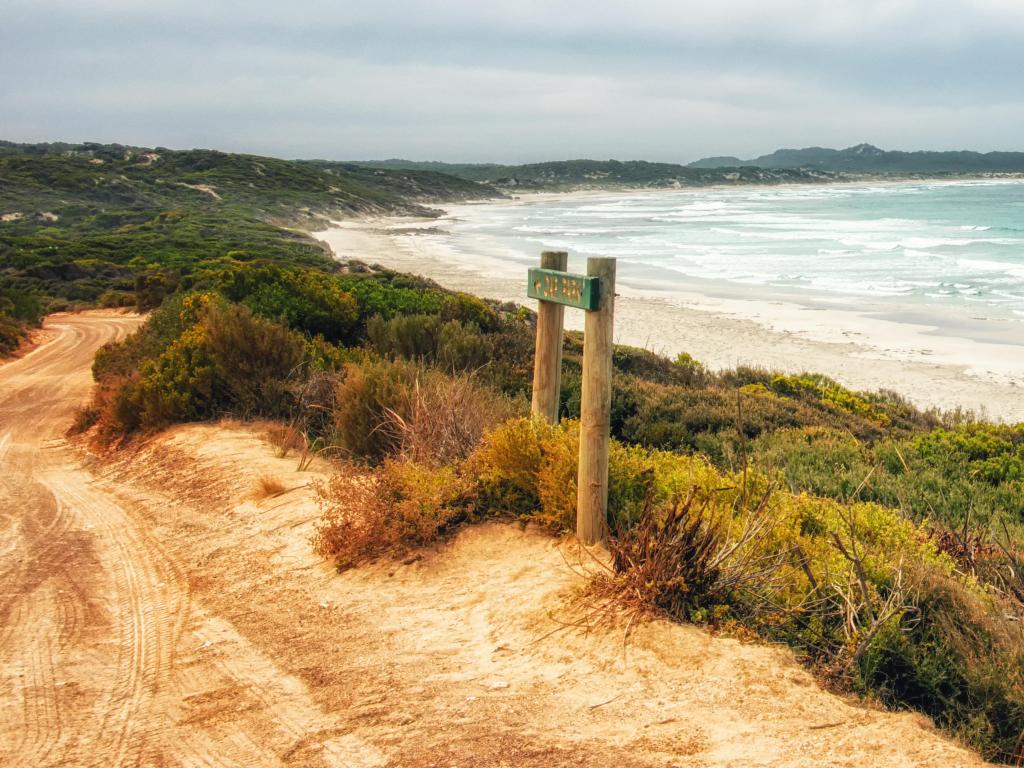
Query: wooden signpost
594	293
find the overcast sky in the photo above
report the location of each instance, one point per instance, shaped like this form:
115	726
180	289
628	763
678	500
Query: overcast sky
514	80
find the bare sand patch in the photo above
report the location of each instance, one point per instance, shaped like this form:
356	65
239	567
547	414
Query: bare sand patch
206	189
461	657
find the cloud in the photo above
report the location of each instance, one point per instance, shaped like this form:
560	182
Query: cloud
514	81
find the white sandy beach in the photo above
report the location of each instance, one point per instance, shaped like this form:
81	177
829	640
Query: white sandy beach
859	350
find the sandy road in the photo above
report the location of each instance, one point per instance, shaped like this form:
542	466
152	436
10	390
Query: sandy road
83	597
99	640
60	607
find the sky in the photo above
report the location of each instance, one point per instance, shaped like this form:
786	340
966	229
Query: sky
514	80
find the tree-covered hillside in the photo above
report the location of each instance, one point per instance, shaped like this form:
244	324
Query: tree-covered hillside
868	159
104	176
118	225
577	174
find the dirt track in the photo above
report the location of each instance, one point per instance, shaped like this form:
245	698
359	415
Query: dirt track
73	584
152	612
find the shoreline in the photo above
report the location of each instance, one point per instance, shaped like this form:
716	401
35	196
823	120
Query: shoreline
860	350
527	197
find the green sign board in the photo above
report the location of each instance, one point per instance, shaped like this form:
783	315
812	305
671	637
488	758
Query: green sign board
577	291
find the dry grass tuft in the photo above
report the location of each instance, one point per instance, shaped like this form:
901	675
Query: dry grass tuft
85	418
268	486
443	418
284	437
682	556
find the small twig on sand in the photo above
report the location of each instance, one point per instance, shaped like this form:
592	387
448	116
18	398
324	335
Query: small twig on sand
613	698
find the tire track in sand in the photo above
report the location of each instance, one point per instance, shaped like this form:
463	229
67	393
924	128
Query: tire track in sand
104	659
50	577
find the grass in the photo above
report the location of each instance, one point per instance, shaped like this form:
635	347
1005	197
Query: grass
267	486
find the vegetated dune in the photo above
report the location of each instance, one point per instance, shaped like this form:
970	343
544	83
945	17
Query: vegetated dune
163	606
458	657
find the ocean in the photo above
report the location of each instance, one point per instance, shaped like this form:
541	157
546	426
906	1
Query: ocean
944	254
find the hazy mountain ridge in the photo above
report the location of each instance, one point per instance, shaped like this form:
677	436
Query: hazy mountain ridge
869	159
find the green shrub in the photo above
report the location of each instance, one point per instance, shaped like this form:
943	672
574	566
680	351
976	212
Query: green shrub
824	461
180	385
20	305
450	344
508	466
368	394
386	296
390	293
710	420
19	310
153	286
122	359
509	368
197	358
469	310
116	299
960	661
692	371
461	346
883	411
949	477
992	453
255	360
413	337
12	333
305	300
528	468
646	365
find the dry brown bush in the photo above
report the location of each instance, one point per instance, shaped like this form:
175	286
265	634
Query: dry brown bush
396	408
113	409
389	510
680	556
442	418
85	417
284	437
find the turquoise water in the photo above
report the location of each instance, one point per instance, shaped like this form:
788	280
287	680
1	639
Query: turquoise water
933	248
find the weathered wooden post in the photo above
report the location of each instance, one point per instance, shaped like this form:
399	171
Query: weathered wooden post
594	293
595	407
547	359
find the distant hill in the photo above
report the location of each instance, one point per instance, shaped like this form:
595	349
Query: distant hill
125	175
869	159
574	174
726	161
109	224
